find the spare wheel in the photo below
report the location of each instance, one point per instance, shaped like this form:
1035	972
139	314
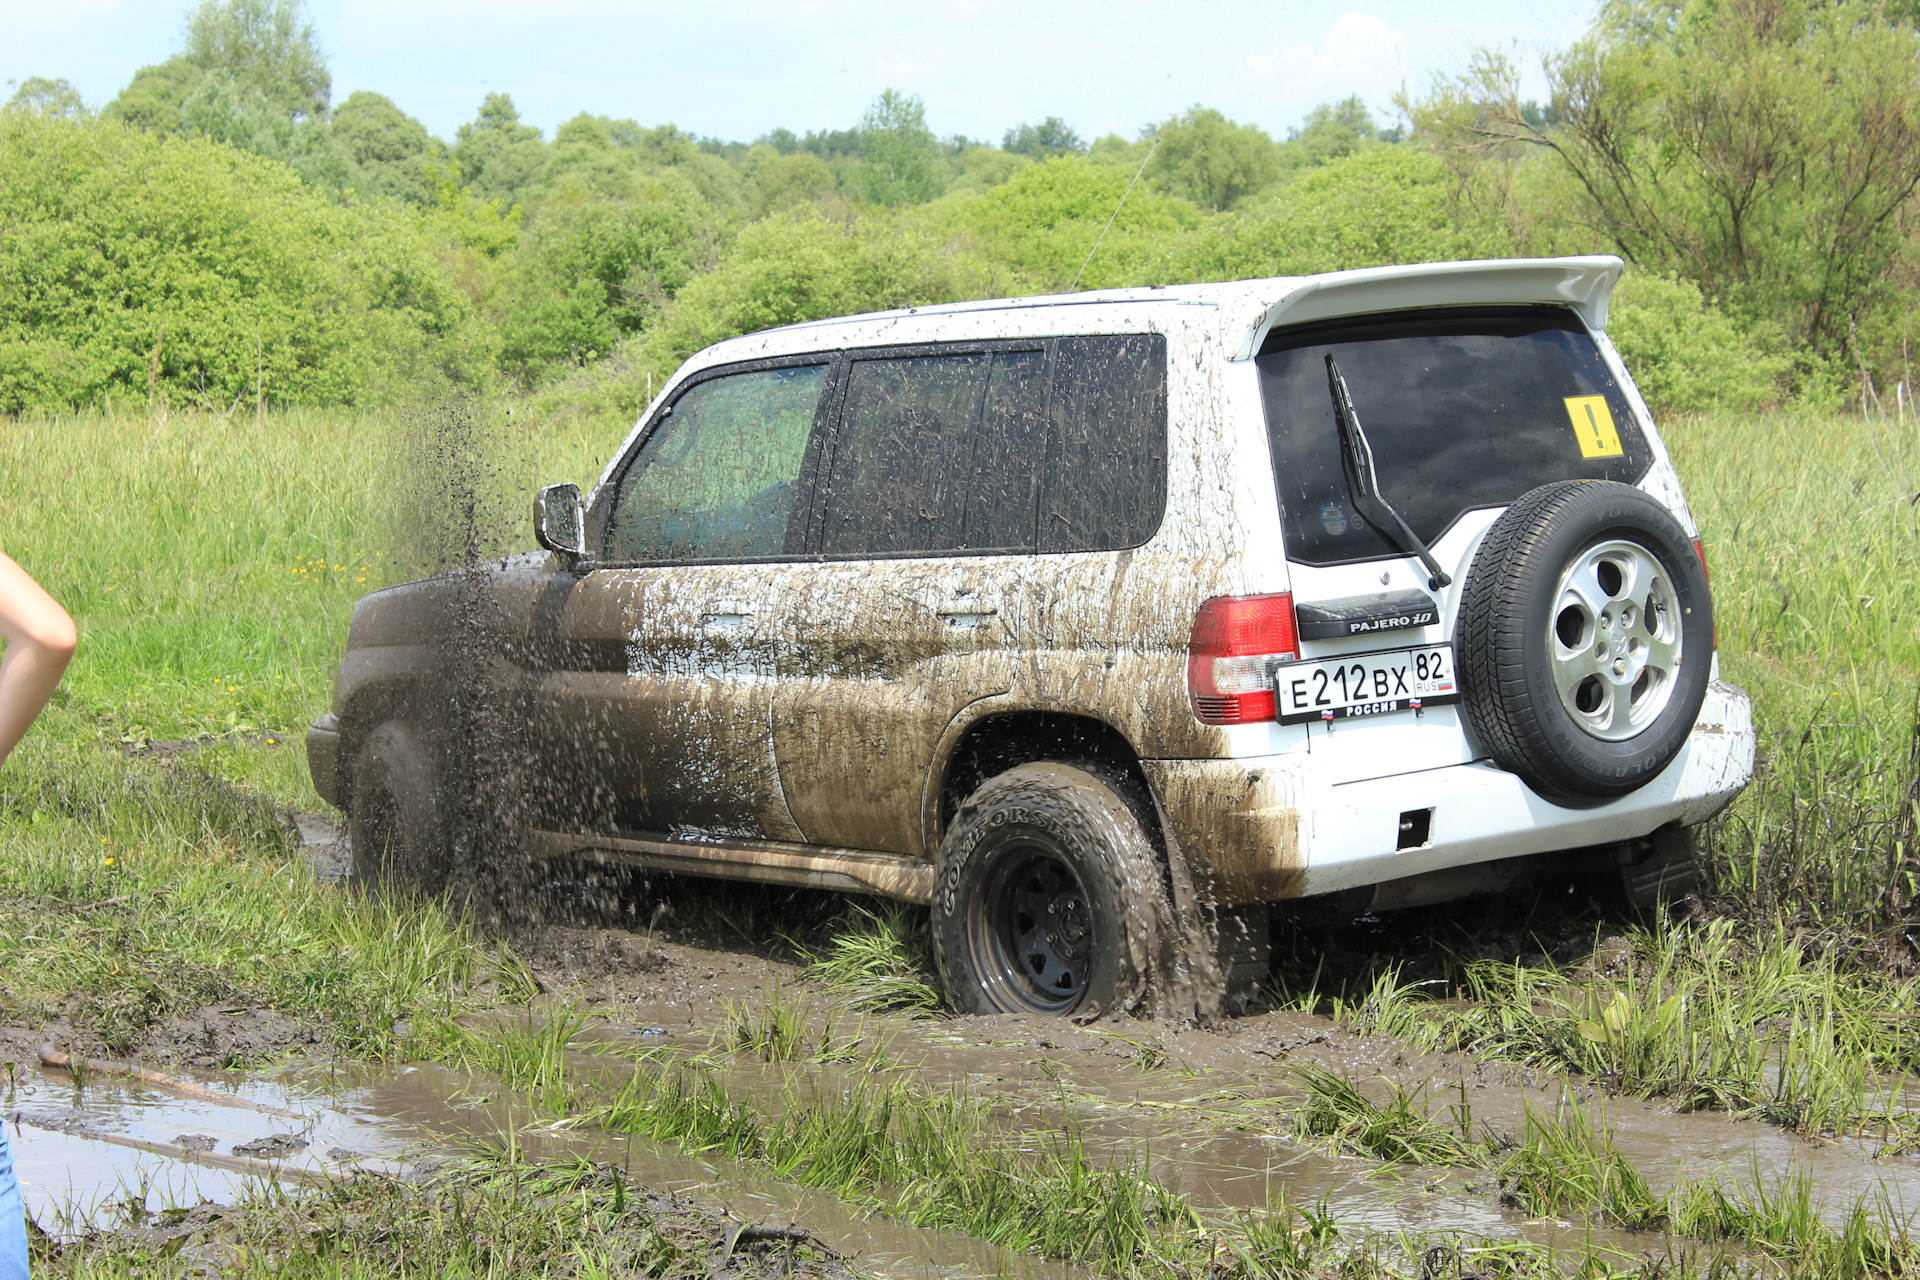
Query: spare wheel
1585	640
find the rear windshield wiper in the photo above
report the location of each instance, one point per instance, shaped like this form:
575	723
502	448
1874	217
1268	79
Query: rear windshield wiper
1361	480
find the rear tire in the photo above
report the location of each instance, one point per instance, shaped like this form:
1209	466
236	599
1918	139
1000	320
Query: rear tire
1048	897
397	827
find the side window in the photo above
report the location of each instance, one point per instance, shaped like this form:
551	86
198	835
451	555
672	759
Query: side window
937	453
716	479
1107	486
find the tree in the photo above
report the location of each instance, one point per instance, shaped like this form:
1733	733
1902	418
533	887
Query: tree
264	45
1208	159
1051	137
498	156
39	96
1330	131
899	157
137	263
152	99
1763	150
392	154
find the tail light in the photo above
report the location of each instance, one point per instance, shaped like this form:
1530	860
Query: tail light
1708	575
1237	642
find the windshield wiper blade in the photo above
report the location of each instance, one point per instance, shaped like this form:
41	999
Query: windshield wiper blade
1361	480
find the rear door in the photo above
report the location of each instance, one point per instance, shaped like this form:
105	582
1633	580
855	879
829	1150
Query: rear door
924	524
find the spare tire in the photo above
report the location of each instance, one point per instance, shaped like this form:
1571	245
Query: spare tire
1585	640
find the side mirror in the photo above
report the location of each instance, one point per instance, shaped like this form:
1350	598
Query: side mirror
559	521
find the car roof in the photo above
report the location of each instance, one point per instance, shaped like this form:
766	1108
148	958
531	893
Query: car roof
1248	308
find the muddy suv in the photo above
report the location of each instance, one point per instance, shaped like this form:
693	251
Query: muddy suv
1094	623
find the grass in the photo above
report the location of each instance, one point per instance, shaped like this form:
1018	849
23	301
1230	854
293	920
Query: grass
880	958
930	1158
1567	1164
1812	531
495	1216
133	891
212	564
1400	1131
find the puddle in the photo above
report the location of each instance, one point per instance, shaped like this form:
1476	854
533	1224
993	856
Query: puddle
78	1150
85	1153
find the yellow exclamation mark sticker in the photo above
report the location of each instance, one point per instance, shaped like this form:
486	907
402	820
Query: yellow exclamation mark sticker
1593	427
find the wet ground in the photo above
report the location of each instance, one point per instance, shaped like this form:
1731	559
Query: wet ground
1207	1109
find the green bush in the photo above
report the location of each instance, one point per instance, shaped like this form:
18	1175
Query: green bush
1049	216
1373	208
136	264
590	271
1685	353
793	266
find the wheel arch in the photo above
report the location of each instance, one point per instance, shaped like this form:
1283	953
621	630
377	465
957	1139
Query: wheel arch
995	738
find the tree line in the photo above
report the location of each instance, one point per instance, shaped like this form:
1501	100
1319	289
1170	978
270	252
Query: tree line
221	232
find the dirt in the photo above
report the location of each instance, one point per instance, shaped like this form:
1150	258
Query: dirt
211	1037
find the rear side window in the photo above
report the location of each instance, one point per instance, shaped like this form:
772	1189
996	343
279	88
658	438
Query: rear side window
937	453
1107	477
1464	409
716	478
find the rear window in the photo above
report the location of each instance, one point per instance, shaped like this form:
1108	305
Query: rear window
1464	409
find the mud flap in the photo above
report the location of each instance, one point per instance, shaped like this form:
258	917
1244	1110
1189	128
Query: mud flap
1668	874
1245	951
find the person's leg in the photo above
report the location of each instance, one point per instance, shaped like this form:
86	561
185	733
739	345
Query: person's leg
13	1217
40	639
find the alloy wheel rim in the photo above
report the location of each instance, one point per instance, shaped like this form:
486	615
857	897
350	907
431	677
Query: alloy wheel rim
1614	640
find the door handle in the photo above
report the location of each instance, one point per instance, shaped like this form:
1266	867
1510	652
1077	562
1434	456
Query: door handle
966	613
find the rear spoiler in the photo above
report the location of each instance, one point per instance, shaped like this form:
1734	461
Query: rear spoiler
1585	284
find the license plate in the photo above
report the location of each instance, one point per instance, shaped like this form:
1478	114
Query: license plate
1366	684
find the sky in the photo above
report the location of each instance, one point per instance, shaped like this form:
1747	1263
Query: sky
736	68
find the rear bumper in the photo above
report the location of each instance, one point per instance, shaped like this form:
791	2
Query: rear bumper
323	759
1268	828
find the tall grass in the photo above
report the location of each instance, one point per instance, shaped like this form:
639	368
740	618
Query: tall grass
212	562
1812	529
132	891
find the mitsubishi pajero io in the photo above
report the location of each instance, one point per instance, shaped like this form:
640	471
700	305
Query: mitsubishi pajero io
1087	620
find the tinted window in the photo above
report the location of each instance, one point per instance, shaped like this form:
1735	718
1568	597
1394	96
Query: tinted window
715	480
937	453
1463	409
1107	485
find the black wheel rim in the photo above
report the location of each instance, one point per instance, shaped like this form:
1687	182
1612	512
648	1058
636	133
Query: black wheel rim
1030	928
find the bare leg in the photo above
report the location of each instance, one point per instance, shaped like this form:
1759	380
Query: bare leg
40	639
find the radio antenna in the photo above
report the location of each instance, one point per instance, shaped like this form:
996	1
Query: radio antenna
1116	213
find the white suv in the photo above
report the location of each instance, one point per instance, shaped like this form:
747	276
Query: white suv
1093	622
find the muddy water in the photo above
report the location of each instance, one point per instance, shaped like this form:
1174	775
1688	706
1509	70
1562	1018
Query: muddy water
80	1150
83	1154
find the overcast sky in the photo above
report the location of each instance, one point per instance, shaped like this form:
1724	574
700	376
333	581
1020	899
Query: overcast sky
737	68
